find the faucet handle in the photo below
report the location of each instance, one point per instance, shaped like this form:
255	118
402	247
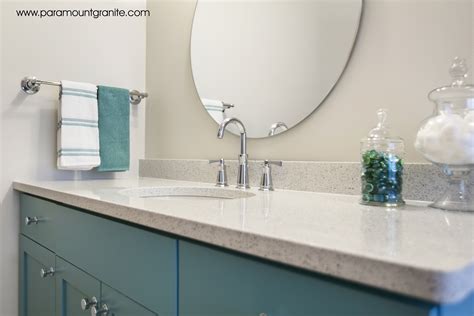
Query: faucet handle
222	173
222	161
266	183
278	163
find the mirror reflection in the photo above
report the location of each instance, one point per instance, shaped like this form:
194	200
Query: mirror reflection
270	63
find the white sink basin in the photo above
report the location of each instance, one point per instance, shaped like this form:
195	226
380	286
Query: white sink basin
186	193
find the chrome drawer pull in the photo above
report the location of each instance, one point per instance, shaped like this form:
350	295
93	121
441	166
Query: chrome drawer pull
31	220
87	304
44	273
103	311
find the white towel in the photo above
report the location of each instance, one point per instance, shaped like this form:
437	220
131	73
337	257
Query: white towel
78	131
215	108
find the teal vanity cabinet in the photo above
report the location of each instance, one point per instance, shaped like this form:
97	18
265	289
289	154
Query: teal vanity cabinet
131	270
74	263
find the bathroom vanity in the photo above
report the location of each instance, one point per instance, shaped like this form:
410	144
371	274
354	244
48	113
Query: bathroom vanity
114	247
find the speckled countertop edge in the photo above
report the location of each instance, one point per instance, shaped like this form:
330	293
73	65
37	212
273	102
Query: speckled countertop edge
421	283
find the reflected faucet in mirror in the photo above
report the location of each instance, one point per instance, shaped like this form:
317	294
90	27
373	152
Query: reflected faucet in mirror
243	176
275	126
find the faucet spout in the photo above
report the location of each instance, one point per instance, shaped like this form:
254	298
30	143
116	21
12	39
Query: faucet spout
243	132
276	126
227	121
242	178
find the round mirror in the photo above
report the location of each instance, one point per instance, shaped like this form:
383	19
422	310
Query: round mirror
270	63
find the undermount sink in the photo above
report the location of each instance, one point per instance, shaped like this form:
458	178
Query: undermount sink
186	193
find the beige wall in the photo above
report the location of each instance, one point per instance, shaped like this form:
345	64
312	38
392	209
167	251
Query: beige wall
107	51
403	51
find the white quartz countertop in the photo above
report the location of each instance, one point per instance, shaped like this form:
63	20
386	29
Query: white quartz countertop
416	251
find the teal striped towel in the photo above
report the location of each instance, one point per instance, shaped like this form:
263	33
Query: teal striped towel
78	131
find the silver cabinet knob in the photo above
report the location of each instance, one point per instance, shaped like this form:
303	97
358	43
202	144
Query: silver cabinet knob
45	273
104	310
88	303
31	220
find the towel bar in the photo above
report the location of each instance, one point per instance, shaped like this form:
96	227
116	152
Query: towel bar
31	85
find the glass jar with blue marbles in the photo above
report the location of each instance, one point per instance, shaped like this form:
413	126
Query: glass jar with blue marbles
382	166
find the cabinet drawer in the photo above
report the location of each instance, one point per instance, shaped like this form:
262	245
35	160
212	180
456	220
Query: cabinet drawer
139	263
46	213
218	282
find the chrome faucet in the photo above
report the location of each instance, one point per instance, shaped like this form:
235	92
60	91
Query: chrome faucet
276	126
243	176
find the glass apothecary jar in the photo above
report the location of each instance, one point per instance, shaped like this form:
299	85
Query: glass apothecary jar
382	166
447	138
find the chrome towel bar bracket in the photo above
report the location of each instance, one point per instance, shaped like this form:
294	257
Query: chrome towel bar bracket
31	85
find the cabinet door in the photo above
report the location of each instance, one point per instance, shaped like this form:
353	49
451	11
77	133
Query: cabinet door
72	286
214	282
120	305
139	263
37	279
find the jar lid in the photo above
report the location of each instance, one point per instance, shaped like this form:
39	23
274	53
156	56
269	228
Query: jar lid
381	132
458	89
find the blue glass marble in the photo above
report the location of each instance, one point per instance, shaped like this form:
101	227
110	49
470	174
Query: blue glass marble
381	178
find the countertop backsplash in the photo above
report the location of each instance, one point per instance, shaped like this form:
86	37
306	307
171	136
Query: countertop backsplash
421	181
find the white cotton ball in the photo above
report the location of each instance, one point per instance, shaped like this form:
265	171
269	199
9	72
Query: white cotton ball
469	118
420	140
443	156
468	141
457	157
433	157
448	138
470	155
468	131
431	141
419	144
450	134
469	126
432	147
468	137
434	124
